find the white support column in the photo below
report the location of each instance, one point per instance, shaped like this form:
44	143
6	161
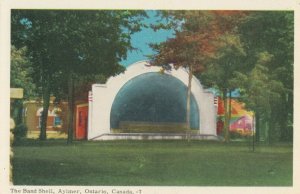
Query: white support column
208	115
100	111
90	115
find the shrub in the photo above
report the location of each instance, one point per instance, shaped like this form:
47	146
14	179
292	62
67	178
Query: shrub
20	131
237	135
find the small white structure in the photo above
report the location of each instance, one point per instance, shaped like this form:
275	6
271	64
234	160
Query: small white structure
102	96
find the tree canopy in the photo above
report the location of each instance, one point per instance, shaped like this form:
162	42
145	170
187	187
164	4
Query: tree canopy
268	88
203	38
20	77
64	44
247	50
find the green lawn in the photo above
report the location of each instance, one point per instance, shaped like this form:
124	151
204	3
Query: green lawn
169	163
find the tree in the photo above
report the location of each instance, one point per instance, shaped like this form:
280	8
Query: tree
259	90
65	44
221	71
244	47
199	37
269	40
20	78
266	77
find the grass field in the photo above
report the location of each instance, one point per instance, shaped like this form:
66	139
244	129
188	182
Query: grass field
169	163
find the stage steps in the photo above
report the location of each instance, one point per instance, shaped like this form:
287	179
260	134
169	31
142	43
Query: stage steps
154	136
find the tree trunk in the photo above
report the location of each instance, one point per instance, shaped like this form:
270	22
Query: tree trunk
17	110
188	101
267	132
257	126
70	107
46	103
229	111
226	115
285	117
273	129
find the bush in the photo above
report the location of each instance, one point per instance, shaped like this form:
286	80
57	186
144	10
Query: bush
20	131
239	134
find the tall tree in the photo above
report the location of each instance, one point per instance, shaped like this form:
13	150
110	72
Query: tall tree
73	43
259	90
199	35
221	71
266	80
272	33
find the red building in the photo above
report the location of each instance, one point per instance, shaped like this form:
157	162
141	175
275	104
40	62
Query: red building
57	119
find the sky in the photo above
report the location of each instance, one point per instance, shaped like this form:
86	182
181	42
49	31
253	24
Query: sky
141	40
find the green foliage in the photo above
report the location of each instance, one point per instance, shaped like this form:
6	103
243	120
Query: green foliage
260	90
221	71
20	72
20	131
239	136
20	77
269	39
261	65
65	44
202	39
85	42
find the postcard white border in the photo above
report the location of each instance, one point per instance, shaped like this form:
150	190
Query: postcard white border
7	5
